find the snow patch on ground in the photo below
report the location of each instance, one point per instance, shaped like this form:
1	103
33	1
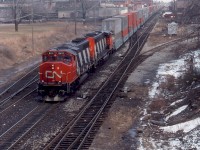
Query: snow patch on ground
175	68
185	126
196	60
190	141
154	90
176	102
190	135
176	112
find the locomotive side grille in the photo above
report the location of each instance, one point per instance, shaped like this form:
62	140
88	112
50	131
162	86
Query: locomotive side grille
103	44
88	54
78	68
100	46
95	49
96	46
83	61
80	58
84	56
105	41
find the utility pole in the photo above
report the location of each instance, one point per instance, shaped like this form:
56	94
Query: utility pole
32	27
174	5
15	14
75	16
94	10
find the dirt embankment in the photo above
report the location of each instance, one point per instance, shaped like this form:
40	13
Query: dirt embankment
17	47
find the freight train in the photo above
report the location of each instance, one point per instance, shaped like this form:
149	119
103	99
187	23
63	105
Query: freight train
66	66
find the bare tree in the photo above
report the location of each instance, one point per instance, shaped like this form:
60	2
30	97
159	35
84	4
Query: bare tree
18	11
192	12
83	6
87	5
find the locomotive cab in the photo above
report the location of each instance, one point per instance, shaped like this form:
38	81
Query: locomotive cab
57	72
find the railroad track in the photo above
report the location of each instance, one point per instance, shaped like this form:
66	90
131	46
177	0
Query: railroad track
19	89
79	133
17	101
27	88
17	84
88	121
15	134
164	45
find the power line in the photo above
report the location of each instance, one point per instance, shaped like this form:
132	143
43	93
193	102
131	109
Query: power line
32	26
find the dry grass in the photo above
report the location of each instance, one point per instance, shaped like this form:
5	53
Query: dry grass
169	84
46	35
157	105
118	122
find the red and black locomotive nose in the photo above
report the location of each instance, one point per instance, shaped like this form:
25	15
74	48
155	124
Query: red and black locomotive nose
52	72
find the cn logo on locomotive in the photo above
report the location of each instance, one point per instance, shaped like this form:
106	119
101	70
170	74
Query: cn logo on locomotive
52	74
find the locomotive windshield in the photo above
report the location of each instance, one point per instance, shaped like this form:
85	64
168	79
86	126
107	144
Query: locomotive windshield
57	56
67	59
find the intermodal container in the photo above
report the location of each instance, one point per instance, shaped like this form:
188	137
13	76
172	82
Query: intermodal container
135	21
112	24
115	26
124	19
130	23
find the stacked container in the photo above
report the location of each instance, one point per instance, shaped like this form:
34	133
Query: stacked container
138	19
124	25
150	10
135	26
115	26
146	13
130	23
140	15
